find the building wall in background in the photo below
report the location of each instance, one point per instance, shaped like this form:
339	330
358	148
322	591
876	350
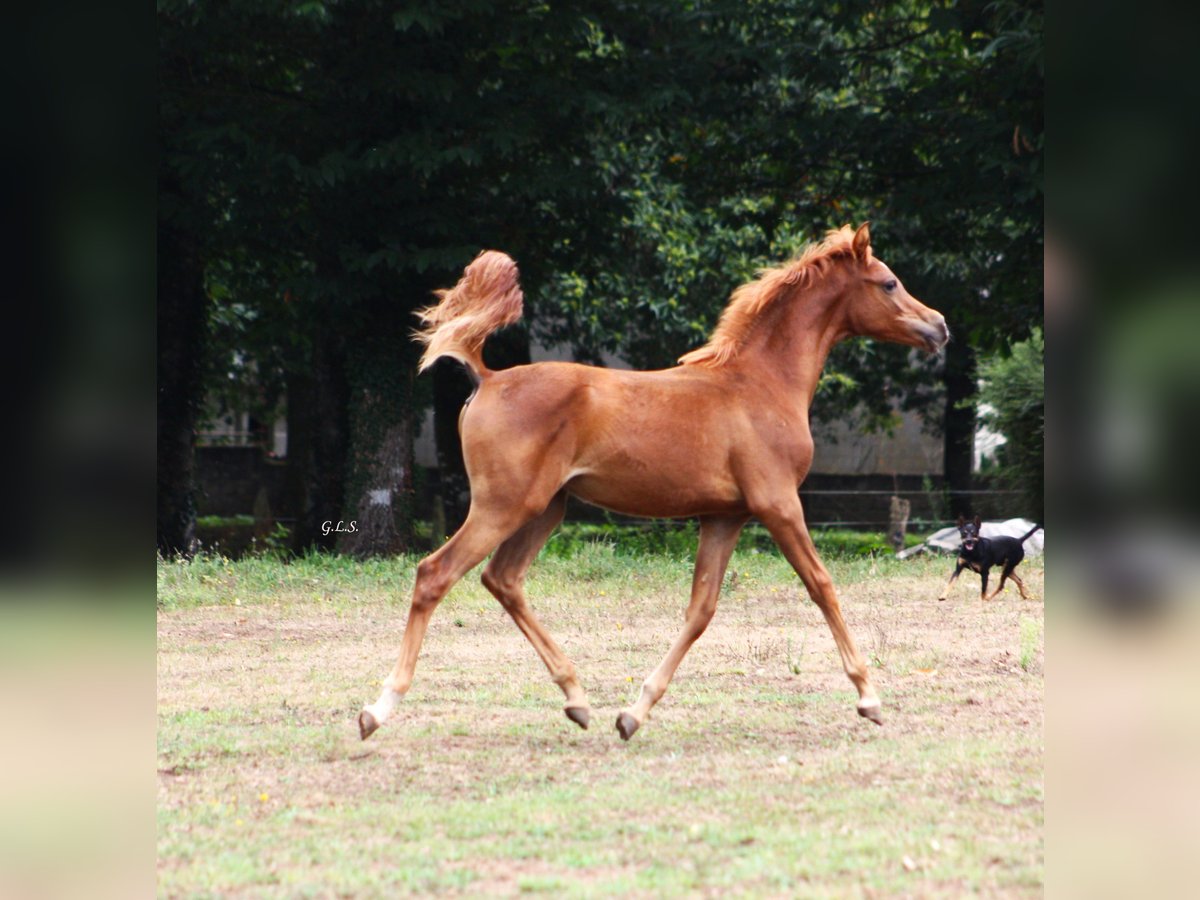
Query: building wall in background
908	450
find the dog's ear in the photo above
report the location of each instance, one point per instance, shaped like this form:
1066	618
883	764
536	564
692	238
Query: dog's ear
961	521
977	523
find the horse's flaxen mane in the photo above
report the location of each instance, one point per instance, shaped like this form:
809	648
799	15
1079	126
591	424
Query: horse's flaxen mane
749	301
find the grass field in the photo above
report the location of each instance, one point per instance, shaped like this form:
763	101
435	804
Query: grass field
754	776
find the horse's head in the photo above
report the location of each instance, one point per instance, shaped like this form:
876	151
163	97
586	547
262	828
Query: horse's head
878	306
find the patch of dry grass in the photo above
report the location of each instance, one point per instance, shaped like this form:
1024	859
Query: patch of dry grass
753	776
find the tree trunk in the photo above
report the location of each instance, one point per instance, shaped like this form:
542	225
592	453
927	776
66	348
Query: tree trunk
378	515
317	426
182	331
301	398
898	512
959	431
381	525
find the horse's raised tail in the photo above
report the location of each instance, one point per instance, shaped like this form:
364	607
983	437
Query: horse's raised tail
486	298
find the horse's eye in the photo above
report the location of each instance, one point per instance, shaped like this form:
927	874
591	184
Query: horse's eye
889	286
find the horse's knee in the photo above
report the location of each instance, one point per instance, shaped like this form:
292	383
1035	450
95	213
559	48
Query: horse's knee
429	587
427	569
491	582
496	582
425	599
820	588
697	620
503	588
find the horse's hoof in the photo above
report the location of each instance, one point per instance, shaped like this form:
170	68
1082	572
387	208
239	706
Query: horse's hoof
626	725
872	712
367	725
580	715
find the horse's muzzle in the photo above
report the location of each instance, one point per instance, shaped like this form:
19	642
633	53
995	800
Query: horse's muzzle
935	334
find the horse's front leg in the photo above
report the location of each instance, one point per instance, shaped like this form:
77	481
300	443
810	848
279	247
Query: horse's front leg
718	537
786	523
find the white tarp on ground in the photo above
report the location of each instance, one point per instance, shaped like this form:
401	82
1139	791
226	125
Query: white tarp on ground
948	539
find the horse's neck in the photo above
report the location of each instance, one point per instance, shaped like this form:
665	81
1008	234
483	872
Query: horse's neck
794	341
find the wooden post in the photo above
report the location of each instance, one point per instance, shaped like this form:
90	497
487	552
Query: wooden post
898	522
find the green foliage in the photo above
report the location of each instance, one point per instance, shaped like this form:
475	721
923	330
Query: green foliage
236	536
276	543
679	541
639	162
224	521
840	544
924	117
582	543
335	162
1013	402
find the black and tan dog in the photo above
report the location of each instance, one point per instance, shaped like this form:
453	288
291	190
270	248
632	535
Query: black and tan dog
979	554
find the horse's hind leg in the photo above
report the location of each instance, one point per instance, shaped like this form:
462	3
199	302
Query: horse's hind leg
718	537
505	578
787	527
436	574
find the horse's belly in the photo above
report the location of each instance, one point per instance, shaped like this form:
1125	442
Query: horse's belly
659	495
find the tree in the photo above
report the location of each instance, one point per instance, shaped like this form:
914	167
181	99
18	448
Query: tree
218	190
180	351
337	161
924	117
356	156
1012	395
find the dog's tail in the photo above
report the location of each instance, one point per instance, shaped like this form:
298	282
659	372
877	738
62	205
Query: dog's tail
1031	532
486	298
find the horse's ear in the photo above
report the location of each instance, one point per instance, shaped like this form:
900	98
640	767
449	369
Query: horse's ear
862	241
977	523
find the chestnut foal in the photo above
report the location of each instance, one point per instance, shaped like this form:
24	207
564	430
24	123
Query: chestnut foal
724	436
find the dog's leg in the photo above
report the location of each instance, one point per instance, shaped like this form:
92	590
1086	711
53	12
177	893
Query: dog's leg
957	571
1006	573
983	573
1020	585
